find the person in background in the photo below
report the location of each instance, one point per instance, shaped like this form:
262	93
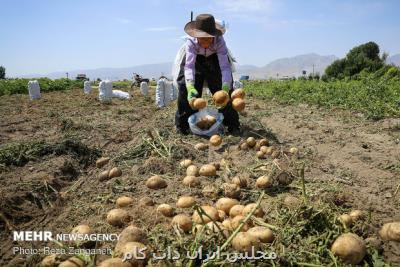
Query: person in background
206	59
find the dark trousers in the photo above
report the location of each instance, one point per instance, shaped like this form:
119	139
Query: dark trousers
207	69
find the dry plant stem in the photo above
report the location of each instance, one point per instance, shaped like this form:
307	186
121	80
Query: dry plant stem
237	230
303	184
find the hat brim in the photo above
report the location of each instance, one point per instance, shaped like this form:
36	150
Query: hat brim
190	29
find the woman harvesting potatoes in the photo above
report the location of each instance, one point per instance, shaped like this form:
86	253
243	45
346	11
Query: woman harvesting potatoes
206	60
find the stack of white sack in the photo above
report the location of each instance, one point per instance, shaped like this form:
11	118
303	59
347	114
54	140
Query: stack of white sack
105	91
34	90
87	87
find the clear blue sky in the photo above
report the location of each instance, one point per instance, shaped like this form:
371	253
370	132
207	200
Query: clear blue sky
42	36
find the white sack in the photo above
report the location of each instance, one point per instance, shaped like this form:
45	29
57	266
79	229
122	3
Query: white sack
87	87
34	90
120	94
105	91
144	88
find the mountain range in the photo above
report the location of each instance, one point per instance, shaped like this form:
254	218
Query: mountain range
291	66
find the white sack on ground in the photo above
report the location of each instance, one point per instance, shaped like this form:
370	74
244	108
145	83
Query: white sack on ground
34	90
120	94
105	91
163	93
87	87
174	91
144	88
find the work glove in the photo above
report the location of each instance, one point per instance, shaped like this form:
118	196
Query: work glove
191	92
226	87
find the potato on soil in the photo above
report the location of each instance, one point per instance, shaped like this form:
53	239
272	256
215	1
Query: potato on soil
146	201
166	210
221	98
390	231
264	149
264	234
114	172
114	262
236	210
210	191
238	93
263	142
185	202
260	155
231	190
221	215
350	248
240	181
245	242
215	140
202	218
227	224
225	204
208	170
346	220
264	181
185	163
251	141
72	262
284	178
192	170
118	217
82	229
104	175
156	182
102	161
135	248
291	202
201	146
237	220
124	201
49	261
130	234
191	181
248	208
294	150
357	215
243	146
183	222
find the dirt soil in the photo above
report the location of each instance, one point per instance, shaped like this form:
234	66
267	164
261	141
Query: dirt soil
351	161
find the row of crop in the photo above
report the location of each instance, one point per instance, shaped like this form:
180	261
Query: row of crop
377	98
20	86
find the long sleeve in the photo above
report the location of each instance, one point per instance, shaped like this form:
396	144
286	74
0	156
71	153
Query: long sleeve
190	61
222	52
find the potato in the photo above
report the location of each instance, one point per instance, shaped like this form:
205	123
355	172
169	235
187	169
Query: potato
238	104
221	98
215	140
210	119
165	210
104	175
251	141
146	201
213	228
185	163
237	220
221	215
263	142
294	150
185	202
257	213
114	262
210	191
238	93
240	181
135	248
227	224
346	220
49	261
264	149
291	202
156	182
118	217
245	242
260	155
183	222
231	190
269	150
284	178
199	103
201	146
124	201
208	170
192	170
350	248
225	204
203	124
264	181
263	234
390	231
236	210
72	262
130	234
244	146
356	215
82	229
210	211
114	172
191	181
101	162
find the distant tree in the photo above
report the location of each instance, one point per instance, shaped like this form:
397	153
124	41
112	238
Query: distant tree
2	72
362	57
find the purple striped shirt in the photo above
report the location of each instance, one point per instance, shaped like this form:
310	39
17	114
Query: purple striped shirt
218	46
